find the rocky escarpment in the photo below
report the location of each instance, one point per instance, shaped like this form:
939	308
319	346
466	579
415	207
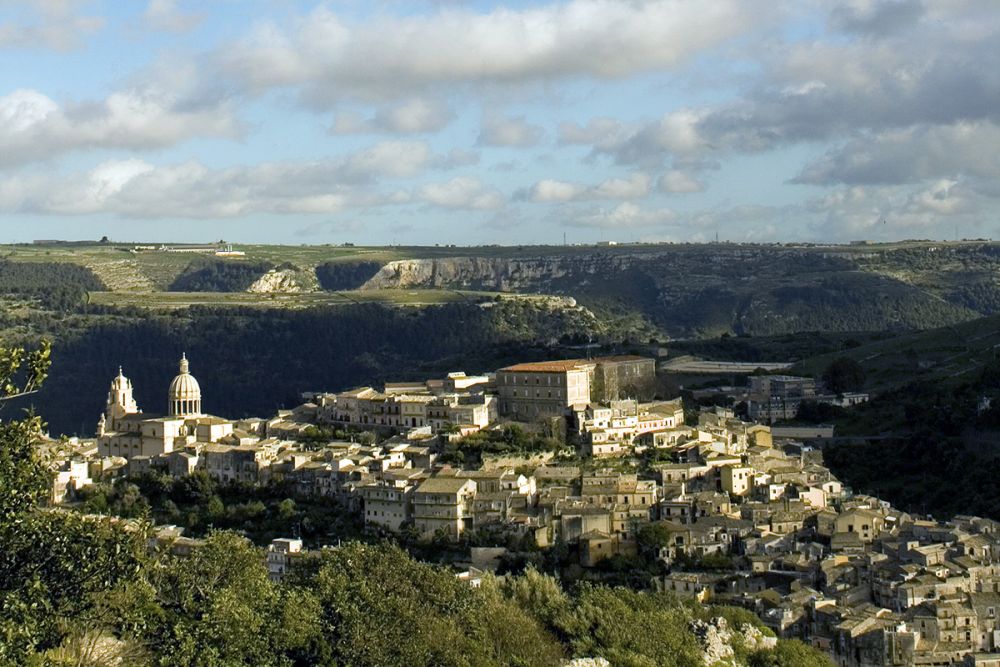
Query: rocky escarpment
727	288
719	642
493	273
276	281
285	279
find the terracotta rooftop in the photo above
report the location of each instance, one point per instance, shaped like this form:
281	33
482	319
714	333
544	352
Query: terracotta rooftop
621	358
547	366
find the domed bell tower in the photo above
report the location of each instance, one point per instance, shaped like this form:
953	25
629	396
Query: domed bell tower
120	402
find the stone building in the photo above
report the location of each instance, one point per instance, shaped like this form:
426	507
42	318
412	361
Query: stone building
544	389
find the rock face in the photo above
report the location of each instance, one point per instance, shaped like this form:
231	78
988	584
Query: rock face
277	280
717	639
708	290
493	273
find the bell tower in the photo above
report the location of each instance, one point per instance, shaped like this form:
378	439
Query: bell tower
121	402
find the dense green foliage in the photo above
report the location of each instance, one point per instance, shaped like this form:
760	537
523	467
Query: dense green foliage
52	563
345	275
941	448
510	440
785	347
205	275
844	374
55	285
200	504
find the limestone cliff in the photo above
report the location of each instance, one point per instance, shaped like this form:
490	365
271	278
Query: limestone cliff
707	291
493	273
285	280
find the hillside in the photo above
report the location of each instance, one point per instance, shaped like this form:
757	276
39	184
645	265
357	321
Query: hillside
948	355
683	290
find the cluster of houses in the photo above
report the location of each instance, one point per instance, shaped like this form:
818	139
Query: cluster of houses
743	516
772	398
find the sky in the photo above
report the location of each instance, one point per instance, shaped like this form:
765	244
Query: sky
382	122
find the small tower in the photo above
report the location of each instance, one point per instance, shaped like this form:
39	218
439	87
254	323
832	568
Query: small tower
184	395
120	402
121	393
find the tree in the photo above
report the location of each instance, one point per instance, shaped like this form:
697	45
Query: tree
844	374
652	537
790	653
630	628
53	565
217	606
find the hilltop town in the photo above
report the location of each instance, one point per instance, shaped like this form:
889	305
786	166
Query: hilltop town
576	454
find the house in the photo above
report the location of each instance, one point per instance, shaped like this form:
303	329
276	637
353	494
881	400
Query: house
281	555
444	504
387	505
736	480
863	522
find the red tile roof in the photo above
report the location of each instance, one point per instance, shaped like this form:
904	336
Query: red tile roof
547	366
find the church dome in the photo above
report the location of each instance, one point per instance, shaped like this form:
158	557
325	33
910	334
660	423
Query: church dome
184	395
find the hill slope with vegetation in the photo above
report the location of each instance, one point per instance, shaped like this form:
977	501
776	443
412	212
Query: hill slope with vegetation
929	439
684	290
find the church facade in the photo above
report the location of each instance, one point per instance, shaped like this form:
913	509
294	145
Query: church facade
125	430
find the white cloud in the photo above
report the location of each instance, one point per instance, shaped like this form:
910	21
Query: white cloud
936	209
461	192
633	187
875	17
912	154
165	15
603	133
626	215
904	67
331	56
454	158
36	128
547	191
678	181
390	158
138	189
511	132
53	24
415	116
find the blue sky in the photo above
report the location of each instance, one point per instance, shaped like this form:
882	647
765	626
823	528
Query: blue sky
479	122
